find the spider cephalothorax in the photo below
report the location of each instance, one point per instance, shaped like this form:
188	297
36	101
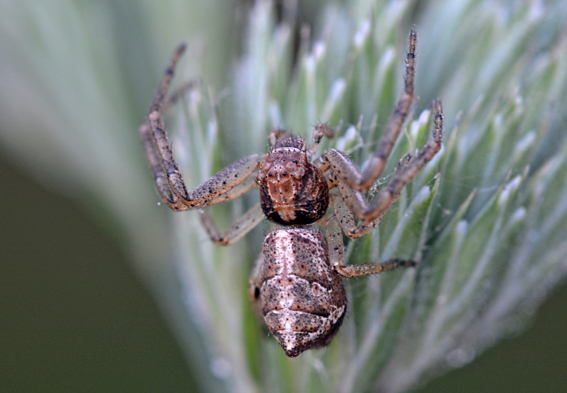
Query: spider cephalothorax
296	281
293	191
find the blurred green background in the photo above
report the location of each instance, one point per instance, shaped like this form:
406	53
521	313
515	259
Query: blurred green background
75	317
76	313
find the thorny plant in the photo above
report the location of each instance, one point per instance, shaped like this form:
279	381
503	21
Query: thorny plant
400	326
486	218
297	276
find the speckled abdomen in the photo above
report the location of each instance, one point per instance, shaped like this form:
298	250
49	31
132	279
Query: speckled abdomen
303	299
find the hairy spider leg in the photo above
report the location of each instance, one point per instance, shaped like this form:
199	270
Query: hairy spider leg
227	184
336	250
345	217
240	228
319	132
345	169
387	195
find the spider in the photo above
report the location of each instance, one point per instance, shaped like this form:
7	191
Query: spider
296	282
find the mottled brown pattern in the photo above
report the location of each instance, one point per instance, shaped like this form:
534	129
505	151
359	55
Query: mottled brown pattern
296	282
292	190
303	299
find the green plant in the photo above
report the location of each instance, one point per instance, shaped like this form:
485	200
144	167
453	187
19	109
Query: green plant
486	219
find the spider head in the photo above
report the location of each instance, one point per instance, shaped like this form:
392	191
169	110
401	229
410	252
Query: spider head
292	190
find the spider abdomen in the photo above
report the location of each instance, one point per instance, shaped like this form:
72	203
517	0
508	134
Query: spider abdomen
303	299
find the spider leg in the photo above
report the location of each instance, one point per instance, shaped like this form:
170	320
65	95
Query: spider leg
166	79
344	213
276	134
372	267
244	225
160	176
240	228
147	137
387	195
345	169
319	132
219	184
234	181
158	151
236	191
336	250
255	283
348	204
405	171
345	218
170	183
172	98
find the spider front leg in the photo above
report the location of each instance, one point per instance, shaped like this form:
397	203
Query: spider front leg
319	132
169	181
387	195
345	169
336	250
227	184
160	177
217	185
345	217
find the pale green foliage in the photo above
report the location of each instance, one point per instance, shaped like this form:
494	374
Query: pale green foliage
486	219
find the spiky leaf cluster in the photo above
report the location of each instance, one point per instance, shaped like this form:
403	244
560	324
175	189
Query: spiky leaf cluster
486	218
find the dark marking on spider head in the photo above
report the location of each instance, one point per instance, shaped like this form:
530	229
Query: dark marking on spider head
292	190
